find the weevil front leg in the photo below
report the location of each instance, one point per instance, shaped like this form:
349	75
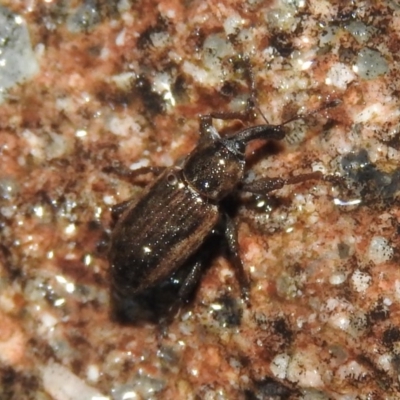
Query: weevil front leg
118	209
266	185
274	132
248	114
133	174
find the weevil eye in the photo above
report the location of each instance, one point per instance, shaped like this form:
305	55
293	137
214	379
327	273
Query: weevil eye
240	147
172	179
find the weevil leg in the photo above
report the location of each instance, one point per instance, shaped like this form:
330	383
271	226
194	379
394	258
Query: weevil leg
206	120
161	303
133	174
186	289
187	280
120	208
263	186
275	132
248	114
232	240
191	281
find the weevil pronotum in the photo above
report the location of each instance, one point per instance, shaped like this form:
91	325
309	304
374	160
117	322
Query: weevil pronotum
162	242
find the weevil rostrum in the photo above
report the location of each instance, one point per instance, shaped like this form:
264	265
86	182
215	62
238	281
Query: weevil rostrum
162	242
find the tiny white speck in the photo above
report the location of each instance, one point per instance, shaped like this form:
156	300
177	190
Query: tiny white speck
70	287
98	212
306	65
144	162
86	97
48	320
59	302
387	302
120	40
70	229
80	133
337	278
87	259
93	373
339	202
130	396
146	249
108	200
39	211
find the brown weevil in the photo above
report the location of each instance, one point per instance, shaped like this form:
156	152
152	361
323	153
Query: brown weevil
162	242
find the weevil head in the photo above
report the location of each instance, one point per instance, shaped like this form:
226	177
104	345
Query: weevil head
215	168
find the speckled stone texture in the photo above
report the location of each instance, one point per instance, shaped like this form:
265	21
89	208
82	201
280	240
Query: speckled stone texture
120	84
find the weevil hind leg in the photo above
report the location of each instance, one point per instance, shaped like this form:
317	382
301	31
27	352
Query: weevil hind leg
187	280
186	290
233	245
160	303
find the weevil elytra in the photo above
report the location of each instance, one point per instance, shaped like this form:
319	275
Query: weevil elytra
162	242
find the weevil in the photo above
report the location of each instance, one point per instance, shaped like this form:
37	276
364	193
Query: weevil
162	242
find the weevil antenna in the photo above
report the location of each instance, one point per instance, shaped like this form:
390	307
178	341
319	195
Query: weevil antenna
324	106
275	132
256	106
